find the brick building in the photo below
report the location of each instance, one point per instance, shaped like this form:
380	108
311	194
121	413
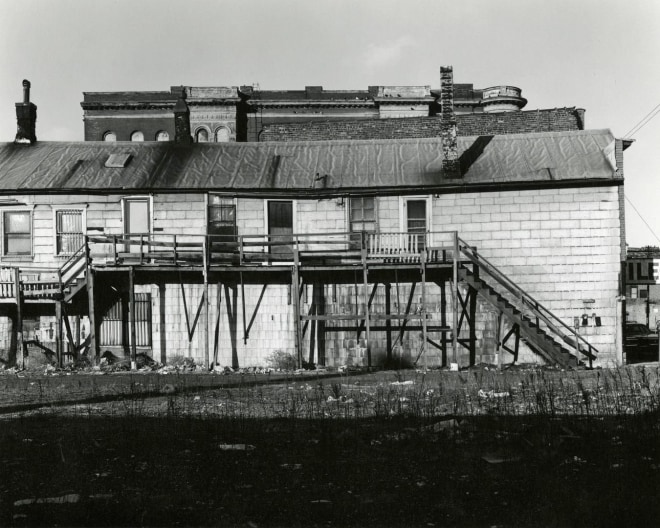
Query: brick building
434	250
233	113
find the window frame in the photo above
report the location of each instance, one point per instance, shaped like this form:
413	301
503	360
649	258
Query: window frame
351	221
234	203
16	256
202	129
218	129
83	226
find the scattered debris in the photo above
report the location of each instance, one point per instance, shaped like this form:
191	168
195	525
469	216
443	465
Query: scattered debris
236	447
492	394
70	498
407	382
493	458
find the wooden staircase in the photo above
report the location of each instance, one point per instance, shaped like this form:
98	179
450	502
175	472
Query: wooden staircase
539	328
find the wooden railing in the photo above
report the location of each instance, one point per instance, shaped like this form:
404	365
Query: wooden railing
528	305
345	248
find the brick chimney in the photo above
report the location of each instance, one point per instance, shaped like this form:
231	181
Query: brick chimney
182	133
450	164
26	117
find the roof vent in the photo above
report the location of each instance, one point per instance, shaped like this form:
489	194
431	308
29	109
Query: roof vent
118	161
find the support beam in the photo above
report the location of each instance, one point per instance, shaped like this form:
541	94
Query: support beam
205	317
443	320
424	336
233	319
473	315
162	322
320	326
388	322
18	331
216	339
405	320
94	351
73	348
365	281
454	299
59	345
295	298
131	312
254	314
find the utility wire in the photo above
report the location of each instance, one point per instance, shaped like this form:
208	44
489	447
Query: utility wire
645	222
642	122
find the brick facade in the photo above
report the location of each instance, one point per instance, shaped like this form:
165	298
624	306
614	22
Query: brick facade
558	119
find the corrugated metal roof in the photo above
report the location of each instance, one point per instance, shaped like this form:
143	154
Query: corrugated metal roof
155	166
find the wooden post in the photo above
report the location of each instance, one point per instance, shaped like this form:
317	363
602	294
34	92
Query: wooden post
388	321
366	301
422	257
313	310
295	300
498	338
454	300
473	315
94	352
20	352
131	311
59	345
205	311
205	321
320	326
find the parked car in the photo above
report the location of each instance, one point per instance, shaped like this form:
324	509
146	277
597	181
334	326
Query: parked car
641	343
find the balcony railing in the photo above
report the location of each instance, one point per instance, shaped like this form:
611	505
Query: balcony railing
340	248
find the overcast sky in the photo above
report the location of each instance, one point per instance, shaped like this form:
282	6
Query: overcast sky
601	55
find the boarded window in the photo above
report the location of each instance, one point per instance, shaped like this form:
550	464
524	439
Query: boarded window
115	328
17	235
69	236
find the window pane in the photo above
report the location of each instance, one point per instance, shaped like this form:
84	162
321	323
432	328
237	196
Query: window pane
17	245
17	222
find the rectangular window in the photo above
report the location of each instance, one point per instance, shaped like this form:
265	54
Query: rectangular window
68	231
17	233
362	217
221	219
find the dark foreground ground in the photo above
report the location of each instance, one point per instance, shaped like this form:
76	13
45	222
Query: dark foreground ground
136	468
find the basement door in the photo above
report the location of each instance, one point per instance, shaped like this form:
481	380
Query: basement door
280	229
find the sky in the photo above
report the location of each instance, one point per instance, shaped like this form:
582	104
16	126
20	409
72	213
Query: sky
600	55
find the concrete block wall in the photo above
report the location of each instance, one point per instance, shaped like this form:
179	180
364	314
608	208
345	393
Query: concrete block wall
560	245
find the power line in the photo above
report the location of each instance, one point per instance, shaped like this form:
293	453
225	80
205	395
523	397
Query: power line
642	122
642	218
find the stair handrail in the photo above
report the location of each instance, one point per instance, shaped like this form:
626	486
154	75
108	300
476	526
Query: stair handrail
527	299
69	264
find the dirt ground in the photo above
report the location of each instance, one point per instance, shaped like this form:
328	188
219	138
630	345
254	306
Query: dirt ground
475	448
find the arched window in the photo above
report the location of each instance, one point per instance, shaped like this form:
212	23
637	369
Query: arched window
222	135
137	136
162	136
201	136
109	136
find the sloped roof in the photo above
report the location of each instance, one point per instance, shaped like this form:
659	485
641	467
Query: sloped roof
81	166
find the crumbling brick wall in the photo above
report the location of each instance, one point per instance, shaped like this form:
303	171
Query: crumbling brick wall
558	119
